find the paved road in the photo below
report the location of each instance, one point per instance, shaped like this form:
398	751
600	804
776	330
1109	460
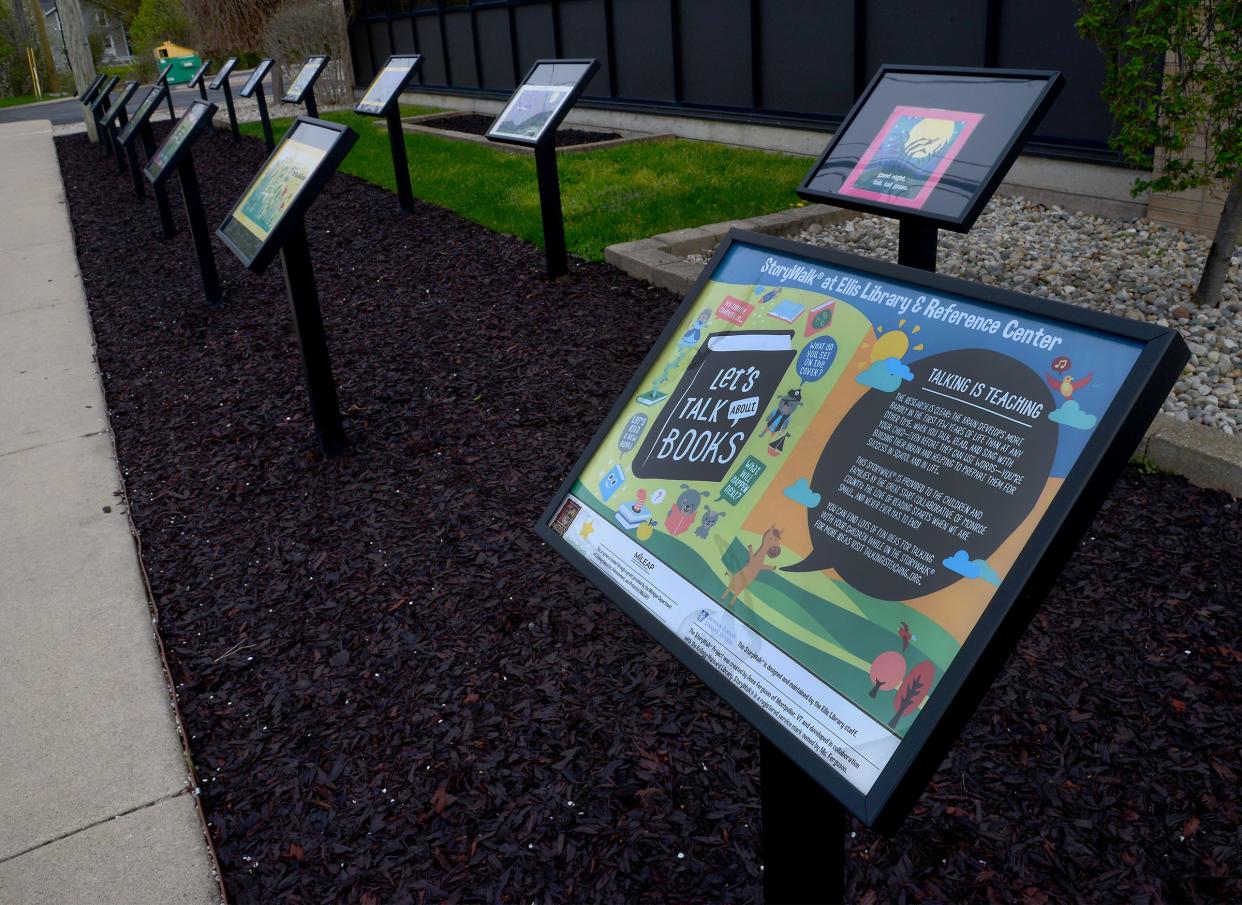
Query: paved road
69	111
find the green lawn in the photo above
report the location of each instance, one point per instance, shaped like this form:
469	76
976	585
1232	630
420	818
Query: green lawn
608	196
21	99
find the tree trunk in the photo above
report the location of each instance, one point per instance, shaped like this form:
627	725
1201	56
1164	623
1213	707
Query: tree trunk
876	689
1216	267
80	59
51	79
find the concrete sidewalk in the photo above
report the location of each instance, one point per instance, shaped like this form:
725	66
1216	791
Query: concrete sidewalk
96	803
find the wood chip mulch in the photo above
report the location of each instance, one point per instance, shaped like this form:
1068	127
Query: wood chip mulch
396	694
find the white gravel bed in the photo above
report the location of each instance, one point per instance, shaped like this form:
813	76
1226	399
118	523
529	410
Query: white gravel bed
1137	269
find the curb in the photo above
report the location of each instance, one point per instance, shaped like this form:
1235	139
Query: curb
1205	456
1202	455
661	260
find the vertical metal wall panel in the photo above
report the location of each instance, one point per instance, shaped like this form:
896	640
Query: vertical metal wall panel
435	74
380	44
533	24
1079	114
459	35
792	61
807	52
716	56
360	50
915	33
584	34
644	49
403	37
495	51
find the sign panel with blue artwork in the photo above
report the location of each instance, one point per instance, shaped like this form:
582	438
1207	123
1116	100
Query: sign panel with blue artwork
832	479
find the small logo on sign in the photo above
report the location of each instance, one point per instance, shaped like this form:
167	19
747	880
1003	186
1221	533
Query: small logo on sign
643	562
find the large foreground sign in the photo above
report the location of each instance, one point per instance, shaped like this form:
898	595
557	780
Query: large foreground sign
836	489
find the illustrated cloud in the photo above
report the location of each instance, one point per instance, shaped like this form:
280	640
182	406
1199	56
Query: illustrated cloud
885	375
986	572
802	494
1071	415
961	563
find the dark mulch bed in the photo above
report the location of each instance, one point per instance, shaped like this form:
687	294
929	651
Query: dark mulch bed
474	124
396	694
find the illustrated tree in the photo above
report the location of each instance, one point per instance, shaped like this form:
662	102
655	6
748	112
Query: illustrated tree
887	671
1197	96
914	687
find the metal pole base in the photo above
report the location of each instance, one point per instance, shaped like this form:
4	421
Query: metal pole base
550	207
400	163
803	834
916	244
316	367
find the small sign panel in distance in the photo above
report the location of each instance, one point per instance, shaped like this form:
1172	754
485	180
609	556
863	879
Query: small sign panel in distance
222	76
842	525
287	184
256	78
306	78
155	95
119	104
385	89
180	138
543	100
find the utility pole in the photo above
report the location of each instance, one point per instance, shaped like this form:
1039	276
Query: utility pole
79	50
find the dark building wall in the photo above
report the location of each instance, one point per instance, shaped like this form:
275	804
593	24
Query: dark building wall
789	62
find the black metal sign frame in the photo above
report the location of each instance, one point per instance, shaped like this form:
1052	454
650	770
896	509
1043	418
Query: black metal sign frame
221	81
981	186
305	93
389	106
558	115
241	241
175	154
199	79
254	85
1135	403
86	96
287	236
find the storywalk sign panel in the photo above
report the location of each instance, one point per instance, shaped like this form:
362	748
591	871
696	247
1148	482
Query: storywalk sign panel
931	142
837	488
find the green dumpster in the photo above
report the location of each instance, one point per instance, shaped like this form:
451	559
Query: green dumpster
183	68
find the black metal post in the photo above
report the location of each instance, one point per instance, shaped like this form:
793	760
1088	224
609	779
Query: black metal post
228	102
316	367
267	123
135	169
122	119
193	199
400	164
312	108
168	97
550	207
161	196
916	244
803	834
104	135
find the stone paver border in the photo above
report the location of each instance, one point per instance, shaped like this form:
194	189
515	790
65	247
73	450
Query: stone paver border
1203	455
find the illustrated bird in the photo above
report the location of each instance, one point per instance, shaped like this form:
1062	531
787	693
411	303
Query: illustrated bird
905	635
1067	385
